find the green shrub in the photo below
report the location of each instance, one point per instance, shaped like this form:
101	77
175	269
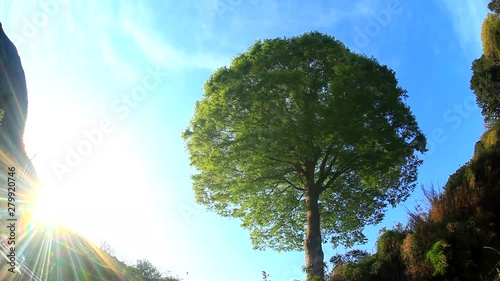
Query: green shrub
437	257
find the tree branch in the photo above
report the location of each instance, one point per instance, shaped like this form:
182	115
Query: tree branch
297	204
293	185
281	223
339	172
276	177
262	124
335	176
279	160
298	168
323	173
325	159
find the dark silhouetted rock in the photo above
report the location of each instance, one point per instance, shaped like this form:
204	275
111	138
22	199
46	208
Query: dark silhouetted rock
14	103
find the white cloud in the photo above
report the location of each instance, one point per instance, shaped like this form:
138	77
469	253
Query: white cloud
159	52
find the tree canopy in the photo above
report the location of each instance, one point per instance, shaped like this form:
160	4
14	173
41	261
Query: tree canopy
299	133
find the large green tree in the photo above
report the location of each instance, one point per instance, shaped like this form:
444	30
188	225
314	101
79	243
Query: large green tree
304	141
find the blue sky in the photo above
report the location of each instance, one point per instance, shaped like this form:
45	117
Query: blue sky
112	83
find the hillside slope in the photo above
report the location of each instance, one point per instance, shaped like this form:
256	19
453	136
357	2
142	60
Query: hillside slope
454	240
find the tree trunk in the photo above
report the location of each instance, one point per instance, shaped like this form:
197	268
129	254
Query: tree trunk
312	244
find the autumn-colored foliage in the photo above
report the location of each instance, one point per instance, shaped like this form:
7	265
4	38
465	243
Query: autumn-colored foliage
453	237
490	36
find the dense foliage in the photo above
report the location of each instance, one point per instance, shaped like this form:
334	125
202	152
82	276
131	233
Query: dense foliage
494	6
490	37
455	238
485	83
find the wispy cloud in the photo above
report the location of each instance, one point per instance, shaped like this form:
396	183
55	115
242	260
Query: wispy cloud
356	12
155	47
160	53
118	65
467	17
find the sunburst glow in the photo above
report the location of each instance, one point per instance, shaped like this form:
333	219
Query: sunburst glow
52	207
49	245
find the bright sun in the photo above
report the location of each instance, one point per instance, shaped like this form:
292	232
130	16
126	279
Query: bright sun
51	208
96	196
